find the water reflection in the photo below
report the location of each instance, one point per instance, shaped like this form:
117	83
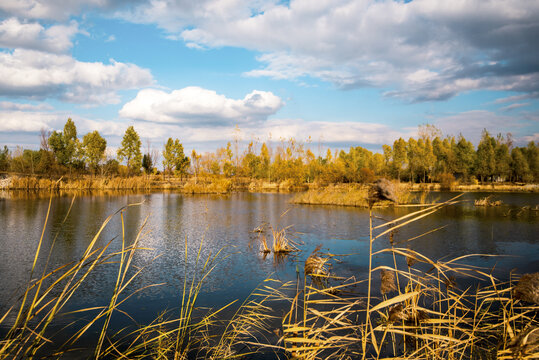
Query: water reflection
178	223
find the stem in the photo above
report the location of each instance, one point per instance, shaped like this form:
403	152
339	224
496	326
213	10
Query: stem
368	317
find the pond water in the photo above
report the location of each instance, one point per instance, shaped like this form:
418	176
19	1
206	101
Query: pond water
226	223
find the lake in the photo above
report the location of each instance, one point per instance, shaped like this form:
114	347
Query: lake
226	223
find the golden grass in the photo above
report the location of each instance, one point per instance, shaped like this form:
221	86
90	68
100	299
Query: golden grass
208	186
282	243
486	201
83	183
350	195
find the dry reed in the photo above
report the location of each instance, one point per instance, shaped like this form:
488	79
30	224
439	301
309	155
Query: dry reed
486	201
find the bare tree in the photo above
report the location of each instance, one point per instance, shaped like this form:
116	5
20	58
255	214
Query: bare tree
44	135
152	152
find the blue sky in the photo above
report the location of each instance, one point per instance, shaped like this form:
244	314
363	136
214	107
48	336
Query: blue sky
344	72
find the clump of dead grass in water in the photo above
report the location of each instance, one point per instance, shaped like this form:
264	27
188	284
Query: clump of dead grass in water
486	201
282	242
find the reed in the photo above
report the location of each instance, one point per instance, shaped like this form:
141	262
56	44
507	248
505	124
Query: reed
429	317
486	201
83	183
208	186
282	243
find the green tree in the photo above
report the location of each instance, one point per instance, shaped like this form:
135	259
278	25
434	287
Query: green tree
93	148
519	165
502	158
65	145
388	155
486	156
532	156
400	158
46	164
4	159
174	157
147	163
414	158
130	150
464	157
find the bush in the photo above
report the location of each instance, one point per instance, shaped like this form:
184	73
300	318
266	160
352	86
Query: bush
447	181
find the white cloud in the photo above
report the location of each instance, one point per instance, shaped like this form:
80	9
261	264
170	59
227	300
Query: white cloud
22	121
472	123
421	50
534	137
55	39
8	105
34	74
514	106
50	9
200	107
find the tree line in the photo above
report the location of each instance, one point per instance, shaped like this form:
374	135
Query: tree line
428	158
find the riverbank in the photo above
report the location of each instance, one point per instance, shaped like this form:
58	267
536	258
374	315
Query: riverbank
221	185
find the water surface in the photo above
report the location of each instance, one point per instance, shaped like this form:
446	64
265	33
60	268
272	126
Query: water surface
225	223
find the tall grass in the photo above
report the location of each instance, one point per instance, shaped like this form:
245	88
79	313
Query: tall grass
83	183
427	317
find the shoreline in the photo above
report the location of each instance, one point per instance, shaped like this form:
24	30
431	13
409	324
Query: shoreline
219	185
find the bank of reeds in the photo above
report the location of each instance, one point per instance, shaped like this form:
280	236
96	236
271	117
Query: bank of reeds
215	185
348	195
83	183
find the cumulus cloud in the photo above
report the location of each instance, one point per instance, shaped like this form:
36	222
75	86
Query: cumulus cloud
8	105
23	121
472	123
200	107
421	50
55	39
56	9
35	74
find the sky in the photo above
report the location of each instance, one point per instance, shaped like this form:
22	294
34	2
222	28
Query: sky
336	73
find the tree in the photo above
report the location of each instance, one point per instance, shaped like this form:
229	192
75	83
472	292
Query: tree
519	165
532	156
130	150
428	132
174	157
388	155
195	161
412	153
44	136
265	163
486	157
147	163
94	147
400	158
464	157
4	159
65	144
502	158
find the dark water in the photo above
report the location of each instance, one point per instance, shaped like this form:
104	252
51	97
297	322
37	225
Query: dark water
225	223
